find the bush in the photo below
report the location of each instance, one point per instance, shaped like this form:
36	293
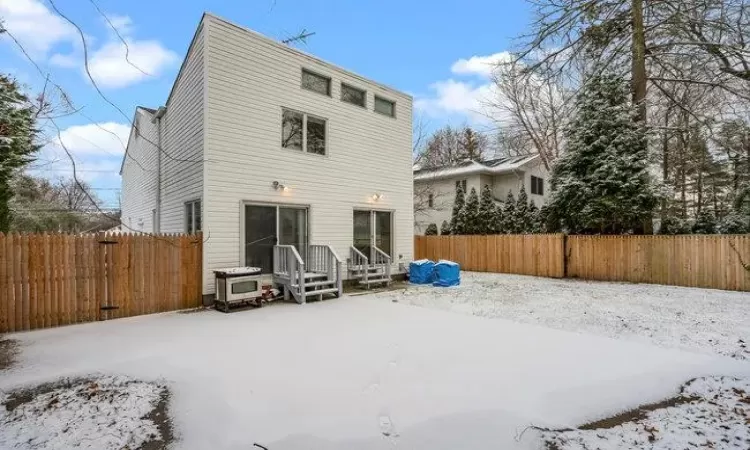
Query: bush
445	228
431	230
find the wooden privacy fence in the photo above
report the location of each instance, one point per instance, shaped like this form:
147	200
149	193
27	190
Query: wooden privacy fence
47	280
708	261
532	254
711	261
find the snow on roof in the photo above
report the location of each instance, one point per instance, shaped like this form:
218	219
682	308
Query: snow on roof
490	166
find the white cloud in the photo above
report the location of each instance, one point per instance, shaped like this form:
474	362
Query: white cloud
483	66
108	138
37	28
465	100
111	69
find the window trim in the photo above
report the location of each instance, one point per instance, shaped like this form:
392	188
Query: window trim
329	94
363	91
190	204
375	101
304	132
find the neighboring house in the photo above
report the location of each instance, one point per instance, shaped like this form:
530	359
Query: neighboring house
262	144
435	188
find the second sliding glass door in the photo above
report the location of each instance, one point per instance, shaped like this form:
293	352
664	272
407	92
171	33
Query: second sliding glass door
373	228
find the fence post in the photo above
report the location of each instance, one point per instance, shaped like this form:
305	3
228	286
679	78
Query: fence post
565	254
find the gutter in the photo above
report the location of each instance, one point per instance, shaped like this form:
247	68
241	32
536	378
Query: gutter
157	118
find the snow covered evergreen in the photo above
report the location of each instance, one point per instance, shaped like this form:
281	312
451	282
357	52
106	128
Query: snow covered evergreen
458	204
601	184
469	214
523	219
432	230
508	220
445	228
487	216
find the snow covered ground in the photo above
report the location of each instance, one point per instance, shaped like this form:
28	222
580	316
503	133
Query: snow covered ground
107	412
705	320
365	372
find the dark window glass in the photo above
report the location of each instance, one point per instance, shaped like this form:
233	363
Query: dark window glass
317	83
291	129
316	135
352	95
385	107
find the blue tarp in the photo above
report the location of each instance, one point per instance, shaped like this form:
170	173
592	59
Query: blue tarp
447	273
421	271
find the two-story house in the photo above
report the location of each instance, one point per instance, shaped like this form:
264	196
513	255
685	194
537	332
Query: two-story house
282	160
435	188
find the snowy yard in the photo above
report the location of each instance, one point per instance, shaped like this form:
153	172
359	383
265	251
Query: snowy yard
368	372
704	320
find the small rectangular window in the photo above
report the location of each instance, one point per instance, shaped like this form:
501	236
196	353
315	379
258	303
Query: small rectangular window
462	184
316	135
291	129
431	201
385	107
193	217
352	95
316	83
537	185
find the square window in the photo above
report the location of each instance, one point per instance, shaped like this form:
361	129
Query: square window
316	83
316	135
352	95
462	184
385	107
291	129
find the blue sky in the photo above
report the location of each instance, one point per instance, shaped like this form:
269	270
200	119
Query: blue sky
436	51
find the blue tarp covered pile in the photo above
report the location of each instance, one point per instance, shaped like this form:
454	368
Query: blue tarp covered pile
447	273
443	274
421	271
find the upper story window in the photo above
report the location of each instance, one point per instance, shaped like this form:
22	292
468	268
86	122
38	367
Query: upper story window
385	107
461	183
193	217
537	185
317	83
350	94
300	131
431	201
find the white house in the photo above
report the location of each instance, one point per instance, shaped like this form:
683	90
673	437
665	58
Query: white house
435	188
263	147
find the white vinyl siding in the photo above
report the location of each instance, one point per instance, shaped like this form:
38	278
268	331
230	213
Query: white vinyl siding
139	180
182	140
250	80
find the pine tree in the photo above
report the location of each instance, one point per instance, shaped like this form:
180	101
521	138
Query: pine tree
523	220
705	223
672	225
431	230
473	144
469	215
509	225
535	224
499	220
17	141
445	228
487	216
458	205
601	184
544	219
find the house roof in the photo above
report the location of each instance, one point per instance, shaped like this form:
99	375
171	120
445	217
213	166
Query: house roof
149	110
493	166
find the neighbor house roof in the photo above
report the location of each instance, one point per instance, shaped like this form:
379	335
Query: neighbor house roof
495	166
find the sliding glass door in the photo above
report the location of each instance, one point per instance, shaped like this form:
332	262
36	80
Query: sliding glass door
267	225
373	228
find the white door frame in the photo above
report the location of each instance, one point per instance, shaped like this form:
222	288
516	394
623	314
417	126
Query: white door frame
244	203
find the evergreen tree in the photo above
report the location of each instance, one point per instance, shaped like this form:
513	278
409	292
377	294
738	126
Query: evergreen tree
523	220
458	205
473	144
544	218
672	225
499	220
535	224
601	184
705	223
487	216
509	225
431	230
469	214
733	223
17	141
445	228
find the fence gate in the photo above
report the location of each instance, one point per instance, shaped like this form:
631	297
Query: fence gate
48	280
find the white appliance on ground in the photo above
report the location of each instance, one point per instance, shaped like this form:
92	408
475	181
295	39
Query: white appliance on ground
236	285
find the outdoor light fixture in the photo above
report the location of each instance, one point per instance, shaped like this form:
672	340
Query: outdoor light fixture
377	196
278	186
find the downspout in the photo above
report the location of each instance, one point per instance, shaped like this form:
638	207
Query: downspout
157	118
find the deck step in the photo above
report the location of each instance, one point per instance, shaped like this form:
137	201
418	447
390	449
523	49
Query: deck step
311	275
316	283
321	292
375	280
